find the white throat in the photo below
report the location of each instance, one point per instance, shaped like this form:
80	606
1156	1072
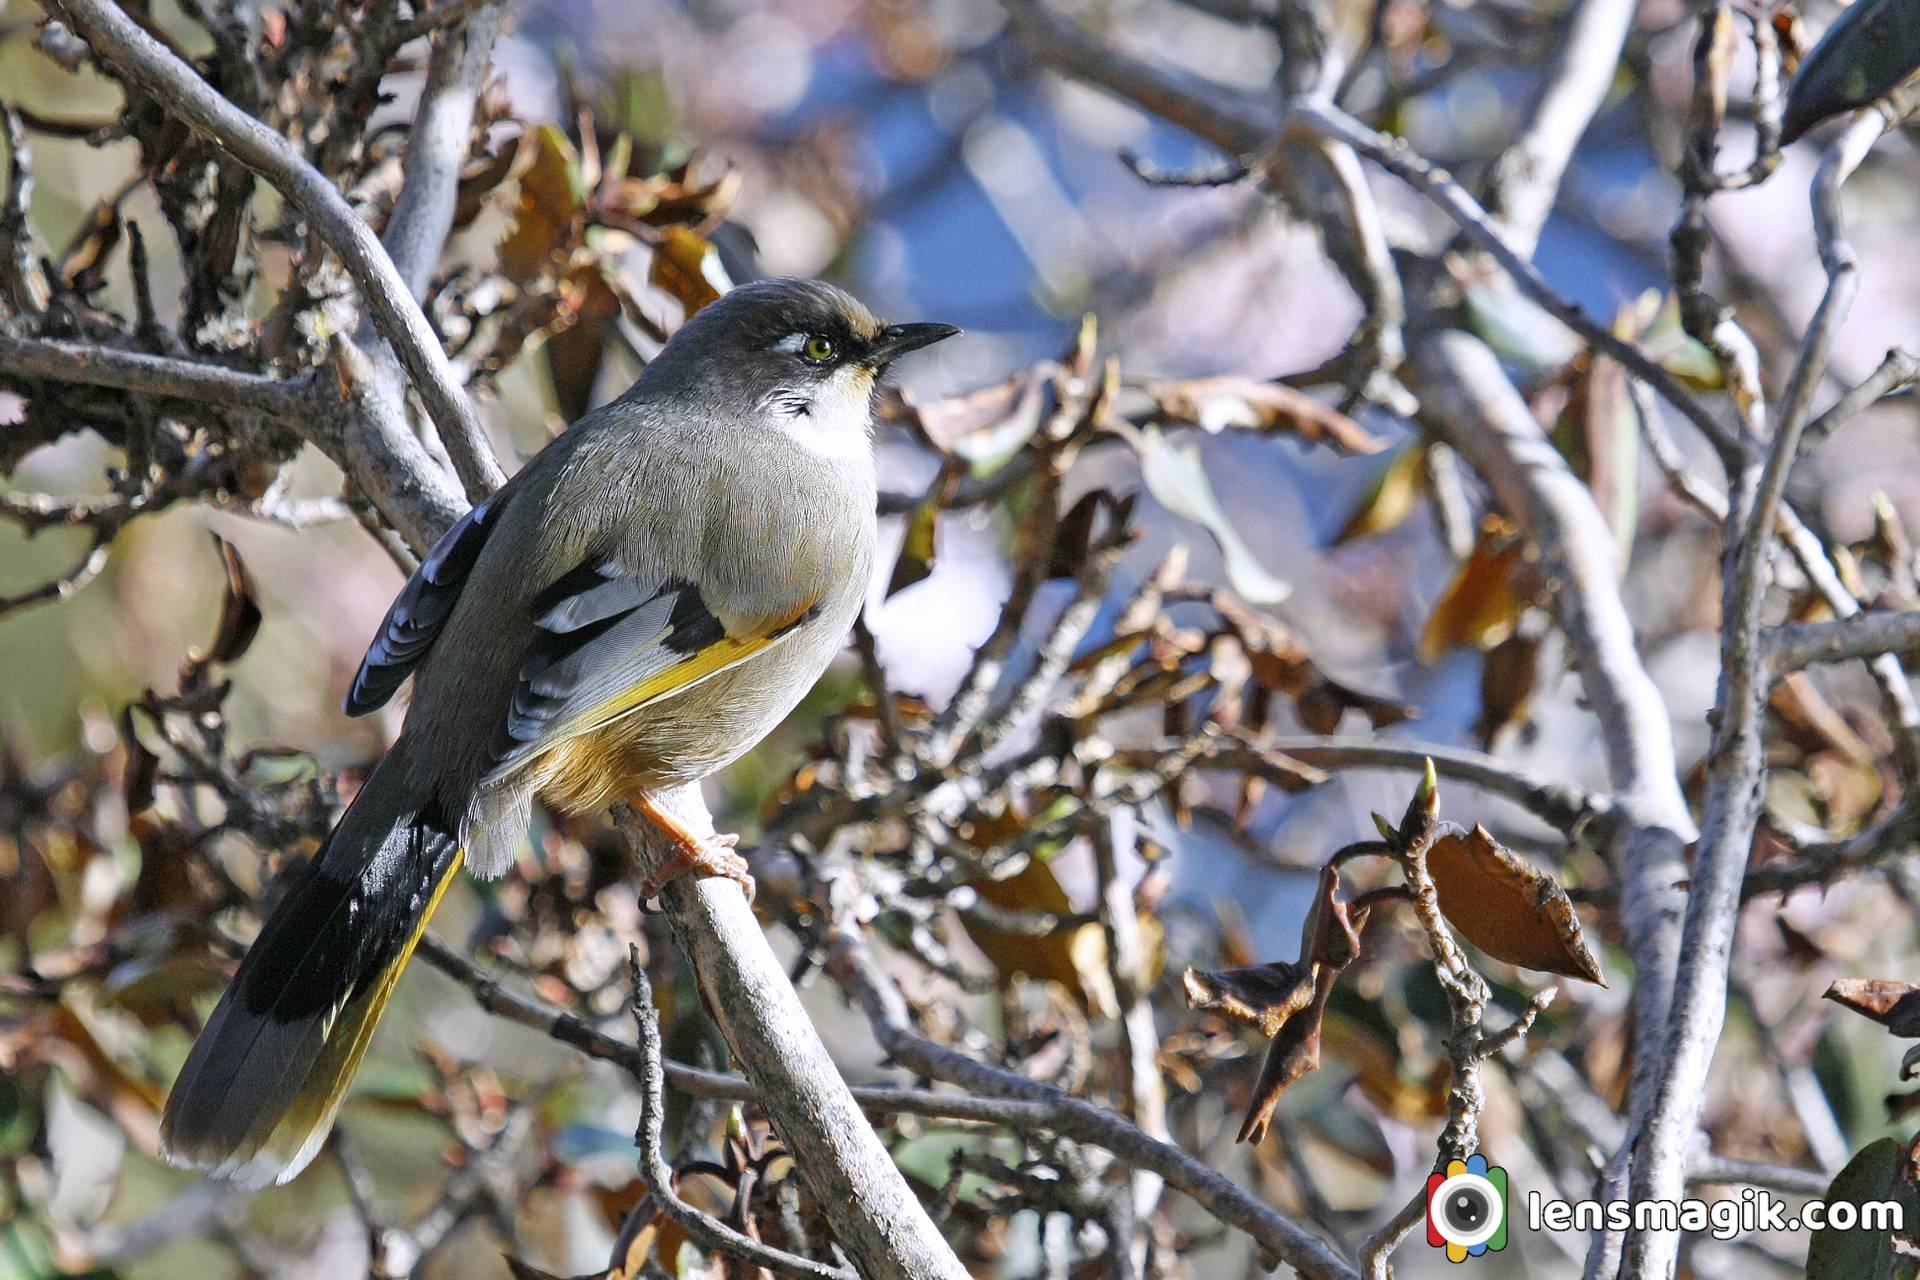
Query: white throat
837	422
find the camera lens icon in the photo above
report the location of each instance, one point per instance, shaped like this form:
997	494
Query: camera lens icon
1467	1208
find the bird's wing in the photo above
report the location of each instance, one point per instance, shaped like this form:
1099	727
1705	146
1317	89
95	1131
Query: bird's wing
608	642
422	608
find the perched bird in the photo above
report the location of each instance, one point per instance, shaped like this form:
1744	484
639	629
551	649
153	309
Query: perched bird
643	602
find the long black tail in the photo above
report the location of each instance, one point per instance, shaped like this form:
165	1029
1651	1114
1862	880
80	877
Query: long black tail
258	1094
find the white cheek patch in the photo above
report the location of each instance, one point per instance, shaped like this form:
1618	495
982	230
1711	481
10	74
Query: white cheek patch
840	420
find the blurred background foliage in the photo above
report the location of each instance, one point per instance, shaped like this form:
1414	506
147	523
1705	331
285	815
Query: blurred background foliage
639	154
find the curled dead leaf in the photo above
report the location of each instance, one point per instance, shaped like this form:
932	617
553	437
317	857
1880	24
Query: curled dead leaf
1262	997
1249	404
546	219
1507	681
1509	908
686	266
1285	1002
239	620
1480	605
1894	1005
987	425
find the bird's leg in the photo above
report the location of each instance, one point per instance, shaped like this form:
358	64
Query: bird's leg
692	854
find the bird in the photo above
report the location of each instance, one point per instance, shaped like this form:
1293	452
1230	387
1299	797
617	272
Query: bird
640	604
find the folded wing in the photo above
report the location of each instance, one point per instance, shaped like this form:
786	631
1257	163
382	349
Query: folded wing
608	643
422	608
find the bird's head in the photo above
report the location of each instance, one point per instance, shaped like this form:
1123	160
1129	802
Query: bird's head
800	353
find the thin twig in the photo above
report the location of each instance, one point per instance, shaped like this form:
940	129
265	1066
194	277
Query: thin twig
121	42
858	973
707	1231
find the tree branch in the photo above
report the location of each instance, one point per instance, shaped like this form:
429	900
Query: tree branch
1865	635
1526	178
1558	804
875	1215
1735	760
709	1232
88	364
1466	393
119	41
859	974
441	137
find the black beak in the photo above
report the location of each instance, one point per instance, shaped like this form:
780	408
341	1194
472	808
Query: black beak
897	339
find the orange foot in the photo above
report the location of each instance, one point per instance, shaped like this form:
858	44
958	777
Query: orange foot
692	854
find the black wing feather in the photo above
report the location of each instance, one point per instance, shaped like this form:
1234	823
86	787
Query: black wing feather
601	629
422	608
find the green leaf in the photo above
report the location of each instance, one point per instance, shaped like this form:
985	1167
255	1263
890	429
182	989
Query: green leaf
1391	498
917	550
1869	50
1520	331
1177	480
1879	1171
1667	343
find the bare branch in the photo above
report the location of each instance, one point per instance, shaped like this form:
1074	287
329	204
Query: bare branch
1464	390
875	1215
84	570
1559	804
1238	124
709	1232
120	41
1895	373
441	137
425	22
857	971
1526	178
100	366
1243	125
1802	644
1735	762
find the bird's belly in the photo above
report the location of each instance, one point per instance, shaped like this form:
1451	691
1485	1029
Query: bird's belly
686	737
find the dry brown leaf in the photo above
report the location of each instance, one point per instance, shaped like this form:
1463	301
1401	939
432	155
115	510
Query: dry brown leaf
1073	537
239	620
1509	908
1293	1053
1894	1005
676	197
1074	956
686	266
1323	703
575	348
1249	404
1507	681
546	220
1480	606
1007	410
1262	997
1285	1002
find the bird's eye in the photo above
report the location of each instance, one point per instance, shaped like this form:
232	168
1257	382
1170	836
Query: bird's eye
818	348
